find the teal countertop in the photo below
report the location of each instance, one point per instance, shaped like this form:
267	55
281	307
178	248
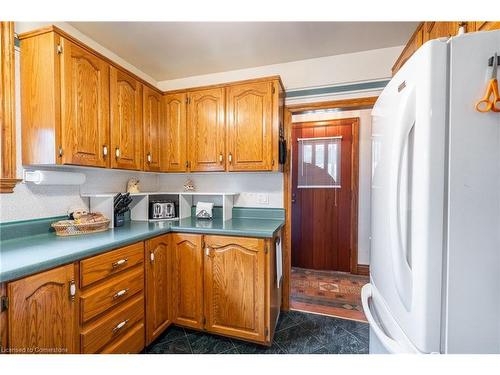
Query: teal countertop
28	254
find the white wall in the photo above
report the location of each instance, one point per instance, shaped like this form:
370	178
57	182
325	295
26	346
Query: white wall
256	189
319	72
365	157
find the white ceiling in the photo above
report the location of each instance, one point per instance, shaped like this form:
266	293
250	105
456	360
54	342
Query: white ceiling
169	50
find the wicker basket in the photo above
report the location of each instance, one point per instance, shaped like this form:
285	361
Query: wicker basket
70	228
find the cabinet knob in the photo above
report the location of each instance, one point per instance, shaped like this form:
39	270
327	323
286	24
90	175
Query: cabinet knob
117	152
120	326
72	290
105	150
119	263
149	157
221	158
230	158
120	293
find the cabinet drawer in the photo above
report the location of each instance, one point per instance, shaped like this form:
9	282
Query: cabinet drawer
114	291
113	325
111	263
130	342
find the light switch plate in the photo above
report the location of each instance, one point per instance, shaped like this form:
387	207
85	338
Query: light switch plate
263	198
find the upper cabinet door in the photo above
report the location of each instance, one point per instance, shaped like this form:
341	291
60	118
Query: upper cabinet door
249	118
153	130
175	156
206	131
126	120
43	312
85	107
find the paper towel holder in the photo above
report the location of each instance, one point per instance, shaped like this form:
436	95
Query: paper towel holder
41	177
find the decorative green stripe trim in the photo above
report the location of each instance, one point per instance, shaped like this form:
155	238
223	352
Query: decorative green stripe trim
338	89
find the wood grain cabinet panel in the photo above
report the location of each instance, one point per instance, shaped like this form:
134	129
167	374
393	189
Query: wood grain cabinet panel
111	263
112	326
7	109
131	342
114	291
85	107
158	276
483	25
154	130
249	118
43	313
3	320
174	109
187	280
207	130
126	120
235	298
434	30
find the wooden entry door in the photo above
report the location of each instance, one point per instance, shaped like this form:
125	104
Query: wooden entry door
322	185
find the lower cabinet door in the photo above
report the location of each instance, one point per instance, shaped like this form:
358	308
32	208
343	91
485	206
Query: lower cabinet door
158	277
43	313
187	280
235	298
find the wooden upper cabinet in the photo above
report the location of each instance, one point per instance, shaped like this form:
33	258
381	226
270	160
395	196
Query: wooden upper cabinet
483	25
65	102
187	279
7	109
154	132
175	142
84	107
434	30
126	120
43	312
158	269
235	298
206	130
249	119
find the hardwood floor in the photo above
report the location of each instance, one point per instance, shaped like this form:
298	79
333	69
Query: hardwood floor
327	292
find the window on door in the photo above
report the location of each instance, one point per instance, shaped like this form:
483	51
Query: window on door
319	162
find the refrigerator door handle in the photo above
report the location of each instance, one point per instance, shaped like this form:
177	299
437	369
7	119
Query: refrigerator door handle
388	342
401	267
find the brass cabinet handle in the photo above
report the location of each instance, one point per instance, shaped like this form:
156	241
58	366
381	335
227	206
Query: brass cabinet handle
117	152
120	326
121	293
119	263
221	158
230	158
152	257
105	150
72	290
149	157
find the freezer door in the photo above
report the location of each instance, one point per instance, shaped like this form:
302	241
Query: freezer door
408	162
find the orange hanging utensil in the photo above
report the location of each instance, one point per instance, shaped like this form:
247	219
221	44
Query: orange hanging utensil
491	101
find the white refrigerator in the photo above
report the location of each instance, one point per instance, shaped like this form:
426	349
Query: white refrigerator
435	230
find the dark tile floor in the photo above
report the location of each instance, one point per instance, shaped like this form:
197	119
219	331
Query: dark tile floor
296	333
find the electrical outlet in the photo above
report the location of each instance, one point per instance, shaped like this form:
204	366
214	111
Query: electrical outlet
263	198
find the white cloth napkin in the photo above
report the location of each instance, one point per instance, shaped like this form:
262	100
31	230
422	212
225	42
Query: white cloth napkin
204	206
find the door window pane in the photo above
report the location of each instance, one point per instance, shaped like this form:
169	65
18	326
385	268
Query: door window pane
319	162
